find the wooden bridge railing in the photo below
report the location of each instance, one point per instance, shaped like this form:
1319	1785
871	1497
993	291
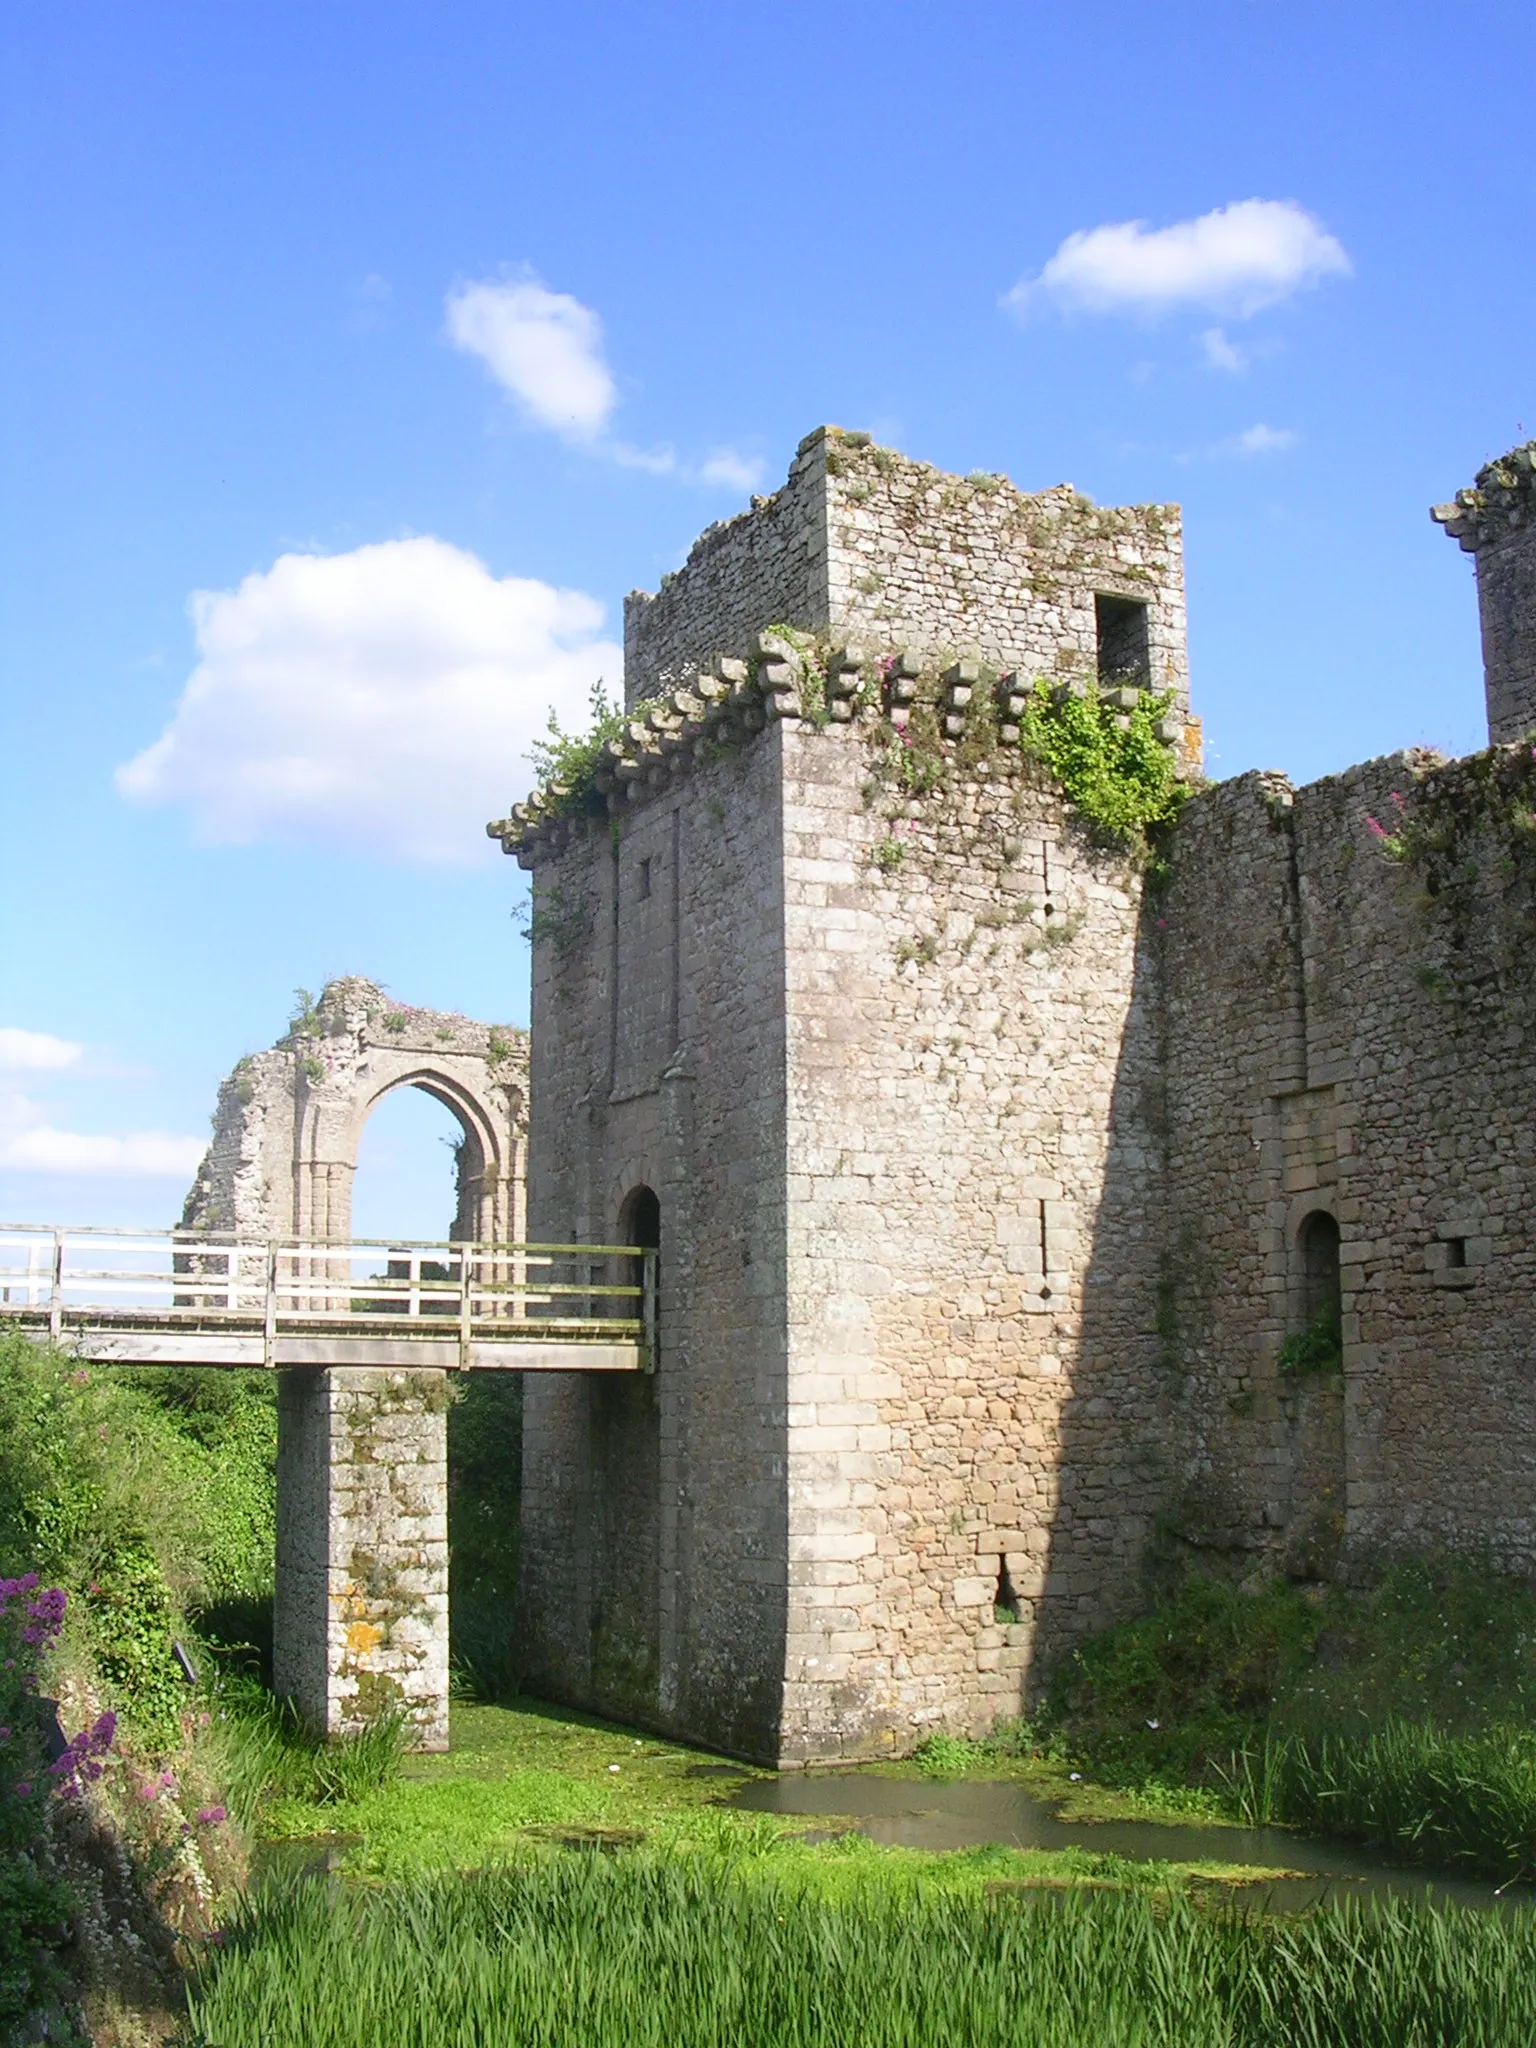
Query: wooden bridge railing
209	1298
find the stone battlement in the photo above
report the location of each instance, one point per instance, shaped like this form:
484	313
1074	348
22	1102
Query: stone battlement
864	545
967	708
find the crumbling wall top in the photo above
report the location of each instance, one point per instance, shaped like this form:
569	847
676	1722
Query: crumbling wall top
864	543
1498	502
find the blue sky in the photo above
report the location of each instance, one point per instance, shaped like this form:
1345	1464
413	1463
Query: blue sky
412	337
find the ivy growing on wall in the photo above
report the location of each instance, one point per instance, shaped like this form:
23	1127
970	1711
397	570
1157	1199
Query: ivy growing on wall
1120	778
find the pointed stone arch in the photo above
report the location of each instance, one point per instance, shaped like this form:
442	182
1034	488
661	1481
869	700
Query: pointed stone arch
289	1120
360	1622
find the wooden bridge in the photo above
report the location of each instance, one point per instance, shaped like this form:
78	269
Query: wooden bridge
175	1297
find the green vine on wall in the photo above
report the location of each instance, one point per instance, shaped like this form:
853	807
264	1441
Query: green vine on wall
1120	777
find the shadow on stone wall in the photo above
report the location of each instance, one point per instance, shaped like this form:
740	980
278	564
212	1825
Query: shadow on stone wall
1188	1439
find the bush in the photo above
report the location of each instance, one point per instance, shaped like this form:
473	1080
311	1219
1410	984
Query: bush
1164	1697
138	1506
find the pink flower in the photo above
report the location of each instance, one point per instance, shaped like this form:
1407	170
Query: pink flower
1377	827
149	1794
211	1816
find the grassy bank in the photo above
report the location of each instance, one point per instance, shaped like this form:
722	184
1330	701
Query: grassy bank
525	1779
635	1952
1400	1714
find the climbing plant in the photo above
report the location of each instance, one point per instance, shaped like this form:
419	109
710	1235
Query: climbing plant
1120	777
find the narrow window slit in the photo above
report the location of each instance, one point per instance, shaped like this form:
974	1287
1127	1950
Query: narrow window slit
1005	1602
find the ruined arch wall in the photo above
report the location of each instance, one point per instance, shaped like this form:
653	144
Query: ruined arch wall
289	1120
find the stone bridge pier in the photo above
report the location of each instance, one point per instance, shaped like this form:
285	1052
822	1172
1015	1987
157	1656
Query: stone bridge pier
360	1626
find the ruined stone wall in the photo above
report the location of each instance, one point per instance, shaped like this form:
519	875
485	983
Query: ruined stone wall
1351	1029
867	545
288	1120
1495	522
767	566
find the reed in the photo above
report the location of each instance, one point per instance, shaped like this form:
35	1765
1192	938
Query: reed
641	1953
1463	1801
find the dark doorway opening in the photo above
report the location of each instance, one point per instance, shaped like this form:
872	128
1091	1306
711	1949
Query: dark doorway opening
1321	1294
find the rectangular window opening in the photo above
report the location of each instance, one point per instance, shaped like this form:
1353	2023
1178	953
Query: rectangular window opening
645	878
1125	656
1455	1251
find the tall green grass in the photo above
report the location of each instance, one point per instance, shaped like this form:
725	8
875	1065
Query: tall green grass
1466	1801
584	1953
268	1752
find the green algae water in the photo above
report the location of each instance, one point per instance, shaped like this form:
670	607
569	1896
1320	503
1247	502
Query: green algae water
970	1813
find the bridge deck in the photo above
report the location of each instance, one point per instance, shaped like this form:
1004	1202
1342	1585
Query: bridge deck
195	1299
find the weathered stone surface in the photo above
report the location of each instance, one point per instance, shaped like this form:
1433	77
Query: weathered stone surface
361	1617
863	544
288	1121
1495	522
985	1177
360	1626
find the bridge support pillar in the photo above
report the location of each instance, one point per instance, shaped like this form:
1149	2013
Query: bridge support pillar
361	1620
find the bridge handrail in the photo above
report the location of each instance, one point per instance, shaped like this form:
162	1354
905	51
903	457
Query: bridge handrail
486	1287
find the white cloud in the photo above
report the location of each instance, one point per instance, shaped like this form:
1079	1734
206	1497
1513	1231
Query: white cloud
736	472
154	1153
381	701
1221	354
1233	260
36	1052
1260	440
545	347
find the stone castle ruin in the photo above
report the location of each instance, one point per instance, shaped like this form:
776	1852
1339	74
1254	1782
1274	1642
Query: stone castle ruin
361	1614
1032	1212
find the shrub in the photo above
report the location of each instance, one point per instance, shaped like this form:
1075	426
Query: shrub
137	1503
35	1910
1122	780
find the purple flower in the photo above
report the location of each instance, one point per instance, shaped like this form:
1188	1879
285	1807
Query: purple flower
211	1816
23	1789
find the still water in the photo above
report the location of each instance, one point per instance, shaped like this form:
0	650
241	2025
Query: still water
968	1814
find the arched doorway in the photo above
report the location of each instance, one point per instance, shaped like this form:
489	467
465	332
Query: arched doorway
287	1134
1317	1244
410	1157
289	1121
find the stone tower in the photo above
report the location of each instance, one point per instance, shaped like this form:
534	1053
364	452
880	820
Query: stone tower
831	997
1495	522
1021	1231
